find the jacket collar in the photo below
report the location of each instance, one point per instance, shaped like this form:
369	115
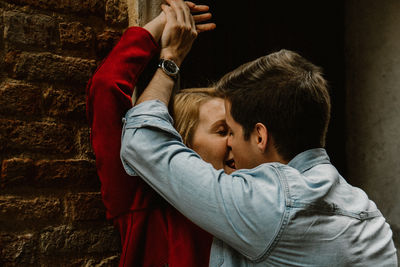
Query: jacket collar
309	158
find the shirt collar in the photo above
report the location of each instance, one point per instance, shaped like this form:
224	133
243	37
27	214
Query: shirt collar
309	158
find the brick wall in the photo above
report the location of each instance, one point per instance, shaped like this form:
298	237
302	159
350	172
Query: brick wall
50	206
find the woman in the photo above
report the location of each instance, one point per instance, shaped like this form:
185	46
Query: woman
152	232
199	116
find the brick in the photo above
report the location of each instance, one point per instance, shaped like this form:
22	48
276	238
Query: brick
66	104
52	239
66	6
17	98
74	173
17	249
16	171
49	67
84	207
67	239
1	29
106	262
76	35
105	41
9	60
110	261
83	144
27	212
117	12
106	239
29	30
49	137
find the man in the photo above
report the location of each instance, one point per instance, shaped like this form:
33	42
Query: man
287	205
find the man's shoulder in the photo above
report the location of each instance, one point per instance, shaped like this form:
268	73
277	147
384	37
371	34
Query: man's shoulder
263	172
301	184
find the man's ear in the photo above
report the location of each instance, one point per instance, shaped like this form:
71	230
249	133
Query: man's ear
261	136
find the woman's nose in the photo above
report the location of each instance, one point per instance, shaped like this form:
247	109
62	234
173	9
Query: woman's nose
228	142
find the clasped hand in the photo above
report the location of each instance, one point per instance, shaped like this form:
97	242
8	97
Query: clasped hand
178	28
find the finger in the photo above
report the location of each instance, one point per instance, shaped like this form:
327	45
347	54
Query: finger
196	8
192	22
183	13
205	27
183	8
188	18
190	4
199	8
179	10
202	17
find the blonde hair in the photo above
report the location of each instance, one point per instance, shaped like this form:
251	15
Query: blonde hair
186	107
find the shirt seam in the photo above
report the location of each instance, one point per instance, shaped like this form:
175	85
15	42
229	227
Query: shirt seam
146	125
331	208
139	110
284	219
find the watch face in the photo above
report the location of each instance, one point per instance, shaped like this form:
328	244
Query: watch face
171	67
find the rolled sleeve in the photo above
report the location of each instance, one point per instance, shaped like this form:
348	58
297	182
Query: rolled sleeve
151	113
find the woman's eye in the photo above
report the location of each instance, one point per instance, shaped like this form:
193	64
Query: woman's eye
222	132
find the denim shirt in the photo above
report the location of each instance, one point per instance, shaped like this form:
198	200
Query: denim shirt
300	214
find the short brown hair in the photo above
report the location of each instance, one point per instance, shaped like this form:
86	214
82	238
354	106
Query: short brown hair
286	93
185	111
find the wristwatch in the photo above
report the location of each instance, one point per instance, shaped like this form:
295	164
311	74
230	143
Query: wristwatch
169	67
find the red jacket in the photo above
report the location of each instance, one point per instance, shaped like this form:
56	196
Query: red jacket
153	233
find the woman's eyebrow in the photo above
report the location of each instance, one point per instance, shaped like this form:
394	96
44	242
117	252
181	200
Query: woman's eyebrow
218	123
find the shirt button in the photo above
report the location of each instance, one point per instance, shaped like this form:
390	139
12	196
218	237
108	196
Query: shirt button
123	120
363	215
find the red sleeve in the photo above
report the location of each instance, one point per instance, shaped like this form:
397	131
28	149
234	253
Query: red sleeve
108	99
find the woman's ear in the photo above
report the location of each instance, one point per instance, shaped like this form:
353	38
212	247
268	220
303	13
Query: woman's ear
261	136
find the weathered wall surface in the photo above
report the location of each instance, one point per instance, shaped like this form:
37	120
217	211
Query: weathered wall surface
142	11
51	212
373	102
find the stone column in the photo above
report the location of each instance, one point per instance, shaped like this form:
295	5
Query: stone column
373	102
142	11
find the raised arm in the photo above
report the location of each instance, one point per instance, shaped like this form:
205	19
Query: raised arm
180	31
108	98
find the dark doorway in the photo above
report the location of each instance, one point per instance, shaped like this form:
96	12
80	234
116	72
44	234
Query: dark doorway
247	30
